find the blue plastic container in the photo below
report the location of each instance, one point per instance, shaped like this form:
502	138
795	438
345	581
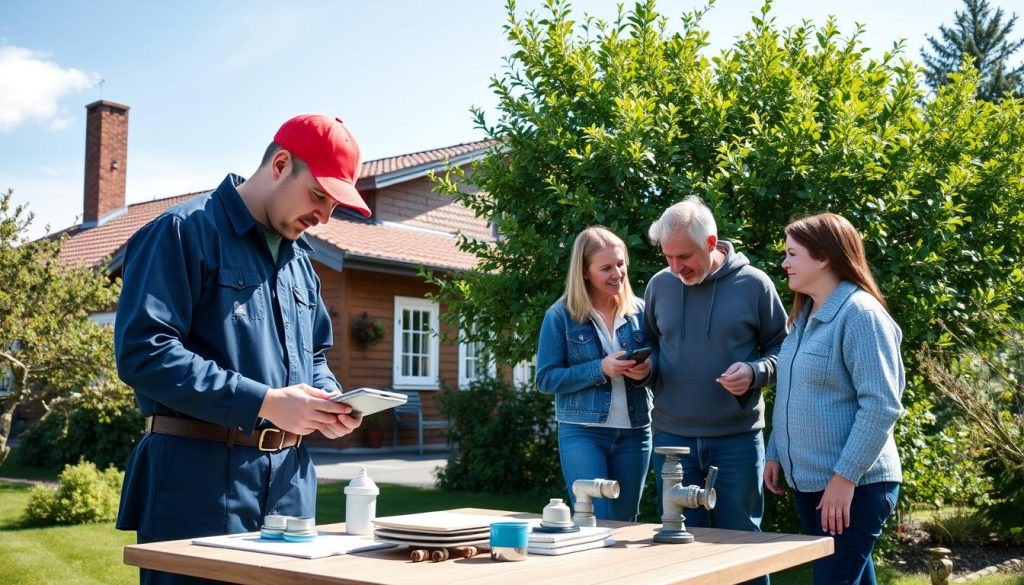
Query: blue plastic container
509	541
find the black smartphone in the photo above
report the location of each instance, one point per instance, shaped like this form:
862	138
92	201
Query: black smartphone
639	355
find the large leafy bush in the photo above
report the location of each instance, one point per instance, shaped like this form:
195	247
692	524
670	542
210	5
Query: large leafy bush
100	425
611	122
506	437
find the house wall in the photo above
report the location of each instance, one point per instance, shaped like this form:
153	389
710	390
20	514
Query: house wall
347	294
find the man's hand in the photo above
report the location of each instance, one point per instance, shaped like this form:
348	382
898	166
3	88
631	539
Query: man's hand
302	409
835	505
773	477
737	379
639	371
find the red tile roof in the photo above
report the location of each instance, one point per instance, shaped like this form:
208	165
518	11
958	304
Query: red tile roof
393	243
382	166
91	246
388	242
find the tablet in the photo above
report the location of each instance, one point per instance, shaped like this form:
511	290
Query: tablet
366	401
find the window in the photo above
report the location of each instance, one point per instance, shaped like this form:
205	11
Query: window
474	363
524	372
416	343
6	379
104	319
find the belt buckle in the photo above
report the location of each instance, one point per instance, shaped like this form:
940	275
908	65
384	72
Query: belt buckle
263	435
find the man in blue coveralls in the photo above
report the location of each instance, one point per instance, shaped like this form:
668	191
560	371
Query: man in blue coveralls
223	335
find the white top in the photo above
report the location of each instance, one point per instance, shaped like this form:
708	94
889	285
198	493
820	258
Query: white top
618	412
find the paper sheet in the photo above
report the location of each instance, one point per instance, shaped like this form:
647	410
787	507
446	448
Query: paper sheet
324	545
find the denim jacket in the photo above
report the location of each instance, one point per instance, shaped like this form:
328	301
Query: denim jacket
569	366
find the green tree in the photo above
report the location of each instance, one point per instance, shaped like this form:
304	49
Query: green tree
983	39
49	347
611	122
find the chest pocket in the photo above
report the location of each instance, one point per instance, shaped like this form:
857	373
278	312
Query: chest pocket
814	361
305	309
583	346
639	339
241	294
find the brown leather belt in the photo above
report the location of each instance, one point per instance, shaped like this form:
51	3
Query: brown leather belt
270	439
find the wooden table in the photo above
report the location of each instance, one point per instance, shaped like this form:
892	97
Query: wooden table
718	556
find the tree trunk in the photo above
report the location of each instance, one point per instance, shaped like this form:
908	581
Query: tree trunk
11	403
6	420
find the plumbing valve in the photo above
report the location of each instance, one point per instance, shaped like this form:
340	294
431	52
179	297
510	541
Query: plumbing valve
676	496
584	491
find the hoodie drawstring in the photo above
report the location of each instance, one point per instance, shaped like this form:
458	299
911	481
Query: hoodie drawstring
711	309
682	313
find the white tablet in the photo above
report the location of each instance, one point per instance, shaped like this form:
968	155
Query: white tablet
367	401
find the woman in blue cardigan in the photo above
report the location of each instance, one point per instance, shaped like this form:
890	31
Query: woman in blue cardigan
602	403
840	379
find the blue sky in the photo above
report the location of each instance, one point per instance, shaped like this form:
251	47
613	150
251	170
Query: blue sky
209	81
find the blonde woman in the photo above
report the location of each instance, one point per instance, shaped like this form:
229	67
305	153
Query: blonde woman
602	402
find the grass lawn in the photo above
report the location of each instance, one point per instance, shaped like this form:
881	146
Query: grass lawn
91	554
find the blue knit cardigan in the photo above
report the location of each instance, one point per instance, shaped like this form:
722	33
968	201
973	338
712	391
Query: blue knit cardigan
840	380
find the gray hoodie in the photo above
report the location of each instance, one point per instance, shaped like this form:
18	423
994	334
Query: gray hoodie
735	315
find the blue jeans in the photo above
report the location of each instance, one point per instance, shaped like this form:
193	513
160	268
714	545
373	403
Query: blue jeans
606	453
740	488
851	561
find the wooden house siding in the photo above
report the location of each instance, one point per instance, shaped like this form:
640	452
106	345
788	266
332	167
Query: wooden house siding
349	293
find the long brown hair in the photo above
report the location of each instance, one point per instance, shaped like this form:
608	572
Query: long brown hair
832	237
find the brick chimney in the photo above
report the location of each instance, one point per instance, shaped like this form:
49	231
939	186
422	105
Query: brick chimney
106	160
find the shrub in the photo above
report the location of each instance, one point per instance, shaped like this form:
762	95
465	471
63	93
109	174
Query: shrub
986	389
85	494
507	440
958	527
100	425
609	122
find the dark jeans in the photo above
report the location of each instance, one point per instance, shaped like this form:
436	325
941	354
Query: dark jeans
851	562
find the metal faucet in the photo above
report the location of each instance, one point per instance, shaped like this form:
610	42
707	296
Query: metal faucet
676	496
584	490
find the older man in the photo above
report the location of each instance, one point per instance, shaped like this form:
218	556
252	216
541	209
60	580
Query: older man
717	323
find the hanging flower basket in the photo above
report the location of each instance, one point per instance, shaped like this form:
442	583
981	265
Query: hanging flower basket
366	331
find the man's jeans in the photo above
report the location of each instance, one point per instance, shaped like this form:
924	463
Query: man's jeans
851	562
601	452
740	487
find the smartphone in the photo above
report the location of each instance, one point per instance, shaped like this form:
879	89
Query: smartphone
366	401
639	354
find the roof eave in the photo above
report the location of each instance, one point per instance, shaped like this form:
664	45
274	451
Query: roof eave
382	180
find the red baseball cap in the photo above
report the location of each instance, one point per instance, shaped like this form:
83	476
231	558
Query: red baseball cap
331	153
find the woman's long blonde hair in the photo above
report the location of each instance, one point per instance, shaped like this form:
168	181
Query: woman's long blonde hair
589	242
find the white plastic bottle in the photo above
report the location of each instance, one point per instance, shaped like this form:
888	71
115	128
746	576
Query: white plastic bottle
360	504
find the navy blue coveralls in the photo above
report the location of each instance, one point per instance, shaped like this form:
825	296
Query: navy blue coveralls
206	324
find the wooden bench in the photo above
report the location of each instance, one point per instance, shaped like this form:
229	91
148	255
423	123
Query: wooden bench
410	414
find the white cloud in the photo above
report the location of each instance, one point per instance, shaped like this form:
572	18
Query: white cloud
34	86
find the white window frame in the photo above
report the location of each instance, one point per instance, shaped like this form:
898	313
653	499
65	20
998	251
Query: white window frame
524	372
464	356
431	379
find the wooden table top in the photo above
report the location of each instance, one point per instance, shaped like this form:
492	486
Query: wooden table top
718	556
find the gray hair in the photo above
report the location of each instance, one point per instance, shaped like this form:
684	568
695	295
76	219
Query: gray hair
690	214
